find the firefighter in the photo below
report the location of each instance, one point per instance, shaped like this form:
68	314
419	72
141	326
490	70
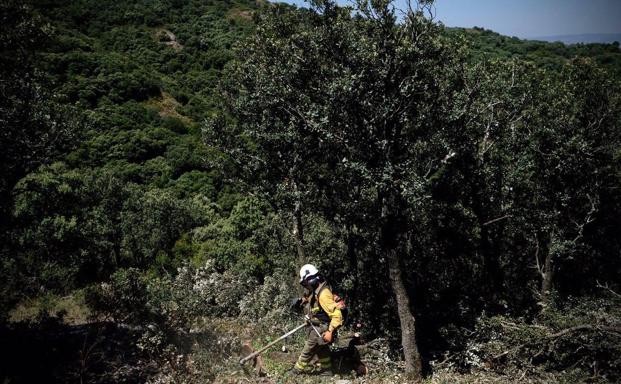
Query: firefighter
325	317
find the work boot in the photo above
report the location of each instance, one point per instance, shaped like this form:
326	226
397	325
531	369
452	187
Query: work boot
323	367
298	372
299	369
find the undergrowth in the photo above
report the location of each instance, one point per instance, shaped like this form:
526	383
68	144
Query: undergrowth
190	328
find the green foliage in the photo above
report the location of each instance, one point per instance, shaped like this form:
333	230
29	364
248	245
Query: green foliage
35	128
242	242
154	221
50	230
98	223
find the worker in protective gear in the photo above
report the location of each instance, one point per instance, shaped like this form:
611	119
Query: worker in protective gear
325	318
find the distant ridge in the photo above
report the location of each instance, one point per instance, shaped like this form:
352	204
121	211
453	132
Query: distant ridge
584	38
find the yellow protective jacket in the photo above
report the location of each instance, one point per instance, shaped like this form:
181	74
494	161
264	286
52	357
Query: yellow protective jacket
322	307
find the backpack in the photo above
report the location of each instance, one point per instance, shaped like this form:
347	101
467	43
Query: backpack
340	303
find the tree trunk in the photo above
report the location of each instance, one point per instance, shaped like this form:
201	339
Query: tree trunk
413	364
392	229
116	252
546	283
547	269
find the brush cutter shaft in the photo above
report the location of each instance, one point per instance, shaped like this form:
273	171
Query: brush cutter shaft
312	326
255	354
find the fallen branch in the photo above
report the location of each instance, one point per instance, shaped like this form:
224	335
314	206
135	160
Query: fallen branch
556	335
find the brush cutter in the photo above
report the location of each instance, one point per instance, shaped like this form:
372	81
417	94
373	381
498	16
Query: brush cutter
291	332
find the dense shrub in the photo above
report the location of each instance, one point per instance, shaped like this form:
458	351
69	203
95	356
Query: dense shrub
173	303
268	303
123	299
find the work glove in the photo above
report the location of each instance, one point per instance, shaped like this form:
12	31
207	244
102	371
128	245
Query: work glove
327	336
296	304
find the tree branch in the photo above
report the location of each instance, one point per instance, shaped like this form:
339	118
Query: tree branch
537	264
587	220
607	288
556	335
497	219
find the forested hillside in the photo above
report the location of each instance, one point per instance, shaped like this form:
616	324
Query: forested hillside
138	94
168	166
486	44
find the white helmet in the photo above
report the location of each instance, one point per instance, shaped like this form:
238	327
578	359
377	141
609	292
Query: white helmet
307	270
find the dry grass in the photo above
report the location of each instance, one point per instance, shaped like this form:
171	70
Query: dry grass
71	308
167	106
240	14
